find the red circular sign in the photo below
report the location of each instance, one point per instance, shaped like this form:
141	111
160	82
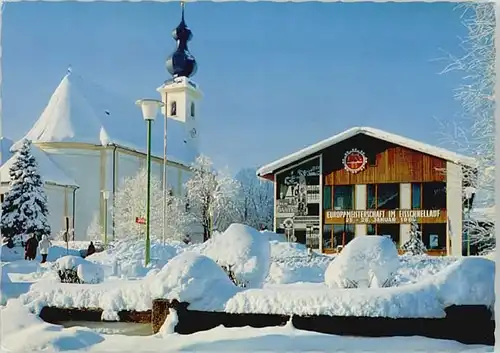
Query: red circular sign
354	161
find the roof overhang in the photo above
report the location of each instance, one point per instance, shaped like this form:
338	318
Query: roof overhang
267	171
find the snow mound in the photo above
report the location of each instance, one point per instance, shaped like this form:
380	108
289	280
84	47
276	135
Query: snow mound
245	249
367	261
417	268
69	262
469	281
125	259
291	263
195	279
170	323
90	273
273	236
18	324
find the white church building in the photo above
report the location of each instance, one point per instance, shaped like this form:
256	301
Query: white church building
88	139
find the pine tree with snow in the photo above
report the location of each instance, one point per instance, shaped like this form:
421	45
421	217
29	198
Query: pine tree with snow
414	245
24	210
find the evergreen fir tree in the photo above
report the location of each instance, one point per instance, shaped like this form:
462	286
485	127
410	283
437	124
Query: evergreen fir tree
24	210
414	245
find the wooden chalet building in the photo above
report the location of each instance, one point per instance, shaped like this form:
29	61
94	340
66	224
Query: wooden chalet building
365	181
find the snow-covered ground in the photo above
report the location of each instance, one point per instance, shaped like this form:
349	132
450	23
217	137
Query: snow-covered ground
282	277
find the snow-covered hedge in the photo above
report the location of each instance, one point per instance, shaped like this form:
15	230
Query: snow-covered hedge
193	278
243	248
366	261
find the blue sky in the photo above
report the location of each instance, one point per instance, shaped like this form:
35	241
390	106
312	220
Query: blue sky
276	76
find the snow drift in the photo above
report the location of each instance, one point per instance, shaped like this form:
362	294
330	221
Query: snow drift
21	331
367	261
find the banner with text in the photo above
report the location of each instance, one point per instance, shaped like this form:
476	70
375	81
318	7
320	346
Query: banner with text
384	216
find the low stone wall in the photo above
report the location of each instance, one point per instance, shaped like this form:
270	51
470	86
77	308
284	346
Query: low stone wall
465	324
55	315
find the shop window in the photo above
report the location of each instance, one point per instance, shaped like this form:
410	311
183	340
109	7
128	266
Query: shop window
300	234
313	209
343	197
342	234
327	236
327	197
371	197
434	196
388	196
434	236
416	196
391	230
371	229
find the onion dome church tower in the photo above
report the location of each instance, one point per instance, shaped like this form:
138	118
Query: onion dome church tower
180	95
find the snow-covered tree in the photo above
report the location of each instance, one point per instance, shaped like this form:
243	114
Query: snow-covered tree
474	133
255	200
177	219
24	210
94	231
130	203
212	196
414	245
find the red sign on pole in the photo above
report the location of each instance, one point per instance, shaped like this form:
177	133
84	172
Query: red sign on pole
140	220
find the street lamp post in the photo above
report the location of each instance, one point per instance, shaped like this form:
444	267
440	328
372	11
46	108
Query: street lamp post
149	109
105	196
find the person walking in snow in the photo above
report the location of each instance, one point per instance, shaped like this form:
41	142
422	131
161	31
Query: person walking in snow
30	249
44	246
90	249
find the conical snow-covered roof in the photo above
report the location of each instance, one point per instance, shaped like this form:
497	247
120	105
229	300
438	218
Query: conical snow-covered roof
47	168
82	111
69	117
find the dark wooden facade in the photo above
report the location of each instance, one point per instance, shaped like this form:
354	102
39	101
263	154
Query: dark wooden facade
387	163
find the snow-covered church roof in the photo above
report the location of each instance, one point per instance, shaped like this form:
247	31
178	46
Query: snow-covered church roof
85	112
376	133
47	168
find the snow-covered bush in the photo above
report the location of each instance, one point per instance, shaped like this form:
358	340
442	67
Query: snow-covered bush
90	273
74	269
414	245
367	261
24	209
192	278
228	269
245	250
